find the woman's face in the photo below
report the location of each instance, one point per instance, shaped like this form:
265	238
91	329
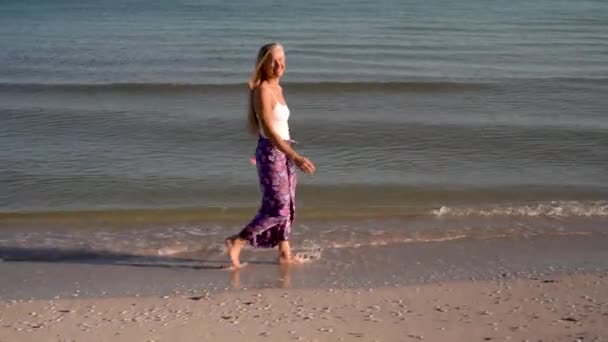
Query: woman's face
276	63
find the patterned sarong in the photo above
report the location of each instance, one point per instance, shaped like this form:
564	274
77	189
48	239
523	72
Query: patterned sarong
277	176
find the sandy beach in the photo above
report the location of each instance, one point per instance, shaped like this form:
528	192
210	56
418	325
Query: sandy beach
556	308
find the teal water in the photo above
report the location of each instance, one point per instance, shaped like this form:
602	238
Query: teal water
189	41
87	147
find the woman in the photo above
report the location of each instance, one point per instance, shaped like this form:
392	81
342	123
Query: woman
275	160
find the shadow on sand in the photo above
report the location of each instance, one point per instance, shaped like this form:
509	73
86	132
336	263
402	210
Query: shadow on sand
101	257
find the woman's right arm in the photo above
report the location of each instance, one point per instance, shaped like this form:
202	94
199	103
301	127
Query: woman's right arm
263	101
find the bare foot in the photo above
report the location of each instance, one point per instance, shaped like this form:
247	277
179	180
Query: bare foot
285	260
233	247
285	257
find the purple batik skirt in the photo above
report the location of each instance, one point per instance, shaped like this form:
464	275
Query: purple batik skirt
277	177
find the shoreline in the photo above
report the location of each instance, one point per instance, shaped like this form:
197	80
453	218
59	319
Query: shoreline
80	275
503	289
557	308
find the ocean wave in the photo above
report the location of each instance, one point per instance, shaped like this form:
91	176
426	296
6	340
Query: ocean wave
379	242
414	86
232	215
452	236
549	209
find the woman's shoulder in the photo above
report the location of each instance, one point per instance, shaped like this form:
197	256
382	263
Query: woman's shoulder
263	91
264	86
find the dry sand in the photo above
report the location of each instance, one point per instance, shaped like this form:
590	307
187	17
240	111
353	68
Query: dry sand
560	308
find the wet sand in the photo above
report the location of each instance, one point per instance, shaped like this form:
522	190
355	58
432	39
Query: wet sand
52	274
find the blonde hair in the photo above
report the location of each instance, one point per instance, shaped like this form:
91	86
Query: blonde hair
258	76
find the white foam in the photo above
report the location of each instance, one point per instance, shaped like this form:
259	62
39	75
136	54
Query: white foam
309	251
172	250
550	209
390	241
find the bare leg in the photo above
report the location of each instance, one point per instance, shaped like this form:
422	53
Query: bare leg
285	256
234	244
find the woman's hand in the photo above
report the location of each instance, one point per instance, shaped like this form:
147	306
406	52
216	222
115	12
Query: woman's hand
305	164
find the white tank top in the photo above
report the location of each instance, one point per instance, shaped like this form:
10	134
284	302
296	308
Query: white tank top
278	121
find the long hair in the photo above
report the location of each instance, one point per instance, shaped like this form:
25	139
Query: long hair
258	76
